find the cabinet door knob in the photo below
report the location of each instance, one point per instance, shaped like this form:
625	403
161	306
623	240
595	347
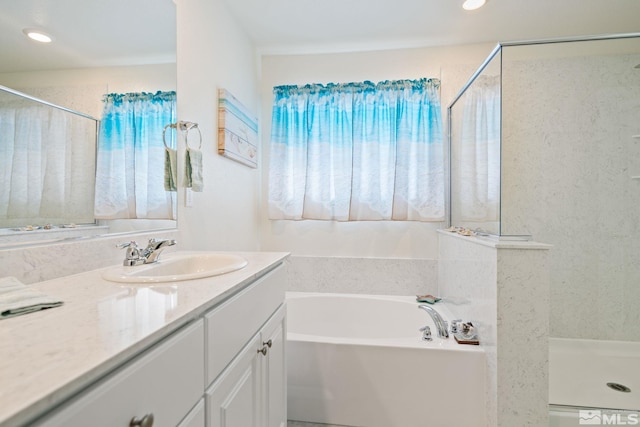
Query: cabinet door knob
268	343
146	421
263	350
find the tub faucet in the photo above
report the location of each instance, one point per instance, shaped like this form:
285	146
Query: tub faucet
441	325
148	255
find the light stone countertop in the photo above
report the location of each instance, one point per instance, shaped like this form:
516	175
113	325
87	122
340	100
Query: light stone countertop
48	356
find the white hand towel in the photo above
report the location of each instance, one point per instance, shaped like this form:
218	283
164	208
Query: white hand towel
16	298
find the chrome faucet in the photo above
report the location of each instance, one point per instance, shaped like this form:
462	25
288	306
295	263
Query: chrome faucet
148	255
154	248
441	324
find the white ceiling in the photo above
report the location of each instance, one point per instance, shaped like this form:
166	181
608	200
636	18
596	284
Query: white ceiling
118	32
87	33
286	26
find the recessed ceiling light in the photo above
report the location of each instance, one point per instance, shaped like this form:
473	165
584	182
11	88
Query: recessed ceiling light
37	35
473	4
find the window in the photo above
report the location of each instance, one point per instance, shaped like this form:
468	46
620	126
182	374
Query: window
357	151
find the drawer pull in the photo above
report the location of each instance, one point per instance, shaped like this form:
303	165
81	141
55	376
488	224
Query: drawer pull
268	343
263	350
146	421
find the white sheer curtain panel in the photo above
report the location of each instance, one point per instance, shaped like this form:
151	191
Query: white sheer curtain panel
357	151
45	154
479	179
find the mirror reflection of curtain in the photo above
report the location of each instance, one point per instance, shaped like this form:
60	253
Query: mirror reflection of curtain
130	158
43	155
479	174
357	151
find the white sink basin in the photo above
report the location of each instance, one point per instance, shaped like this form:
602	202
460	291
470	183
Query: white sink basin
177	267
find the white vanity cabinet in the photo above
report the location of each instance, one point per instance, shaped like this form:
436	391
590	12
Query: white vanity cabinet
162	385
225	367
248	386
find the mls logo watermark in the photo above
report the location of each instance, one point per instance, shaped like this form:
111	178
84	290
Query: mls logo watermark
598	418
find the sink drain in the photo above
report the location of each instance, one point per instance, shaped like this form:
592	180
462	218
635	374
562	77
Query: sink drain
619	387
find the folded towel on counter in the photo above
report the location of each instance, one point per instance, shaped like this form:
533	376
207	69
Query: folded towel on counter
193	169
170	169
16	298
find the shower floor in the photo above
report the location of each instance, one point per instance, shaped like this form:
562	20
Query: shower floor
579	371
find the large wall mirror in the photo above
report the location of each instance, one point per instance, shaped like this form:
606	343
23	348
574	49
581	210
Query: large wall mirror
100	49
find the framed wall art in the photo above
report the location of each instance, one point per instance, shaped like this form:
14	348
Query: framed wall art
237	130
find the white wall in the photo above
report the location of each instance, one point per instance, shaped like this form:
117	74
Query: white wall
82	89
214	53
453	65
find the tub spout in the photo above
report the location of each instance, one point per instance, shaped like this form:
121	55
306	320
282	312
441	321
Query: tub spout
441	325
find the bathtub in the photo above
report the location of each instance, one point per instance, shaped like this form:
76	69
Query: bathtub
359	360
579	371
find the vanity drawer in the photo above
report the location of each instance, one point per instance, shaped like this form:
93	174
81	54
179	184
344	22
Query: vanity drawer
232	324
166	381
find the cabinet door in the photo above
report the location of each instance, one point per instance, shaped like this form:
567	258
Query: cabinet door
230	325
234	399
274	370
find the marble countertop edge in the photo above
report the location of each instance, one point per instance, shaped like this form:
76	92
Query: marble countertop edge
18	408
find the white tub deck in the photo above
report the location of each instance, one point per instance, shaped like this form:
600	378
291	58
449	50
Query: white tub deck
358	360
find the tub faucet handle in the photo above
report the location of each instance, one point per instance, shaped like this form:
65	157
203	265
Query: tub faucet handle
455	325
468	328
426	333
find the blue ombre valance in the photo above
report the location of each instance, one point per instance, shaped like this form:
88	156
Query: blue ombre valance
119	98
418	85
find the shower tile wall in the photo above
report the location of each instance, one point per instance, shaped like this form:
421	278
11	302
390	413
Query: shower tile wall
568	159
468	275
503	288
381	276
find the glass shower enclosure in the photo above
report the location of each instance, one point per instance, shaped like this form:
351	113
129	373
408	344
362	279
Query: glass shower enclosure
544	143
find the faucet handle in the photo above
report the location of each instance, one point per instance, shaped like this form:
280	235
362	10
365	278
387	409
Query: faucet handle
468	328
132	256
132	244
455	325
426	333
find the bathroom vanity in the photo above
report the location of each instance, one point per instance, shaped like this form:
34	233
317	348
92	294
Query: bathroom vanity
208	351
